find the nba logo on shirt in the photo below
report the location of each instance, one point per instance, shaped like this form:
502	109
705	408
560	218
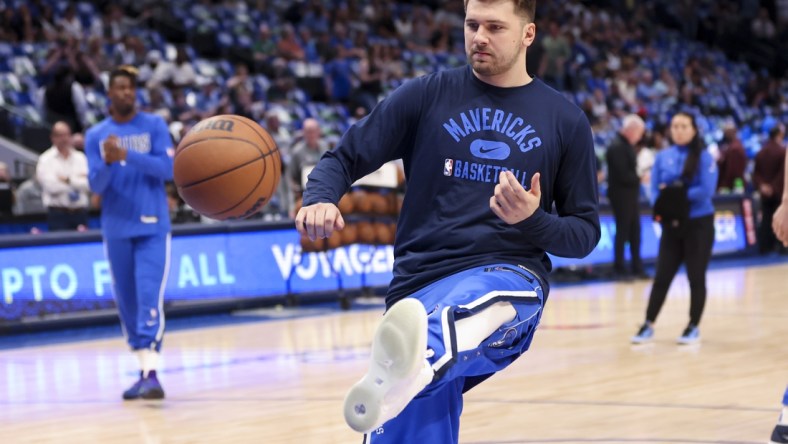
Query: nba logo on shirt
448	167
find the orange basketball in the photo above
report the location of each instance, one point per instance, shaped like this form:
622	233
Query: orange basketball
227	167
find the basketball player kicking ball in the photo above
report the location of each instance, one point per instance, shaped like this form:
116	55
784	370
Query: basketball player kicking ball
129	159
487	151
780	227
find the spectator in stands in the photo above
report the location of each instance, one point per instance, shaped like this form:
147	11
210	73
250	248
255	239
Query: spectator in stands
243	104
339	77
63	174
64	100
768	178
98	57
263	50
280	134
183	74
288	47
131	51
763	27
157	104
70	23
28	197
160	70
624	194
370	83
682	187
305	153
86	73
556	53
6	191
182	111
240	79
113	24
283	83
732	160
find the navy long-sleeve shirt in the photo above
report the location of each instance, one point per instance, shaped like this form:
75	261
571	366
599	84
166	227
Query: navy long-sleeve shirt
455	135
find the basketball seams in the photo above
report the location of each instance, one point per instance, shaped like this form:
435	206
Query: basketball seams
243	199
264	136
261	180
181	149
206	179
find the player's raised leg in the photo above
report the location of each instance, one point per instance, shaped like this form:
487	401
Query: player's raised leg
480	321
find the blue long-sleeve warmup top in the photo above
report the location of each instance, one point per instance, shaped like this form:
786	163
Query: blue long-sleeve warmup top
455	134
668	165
133	198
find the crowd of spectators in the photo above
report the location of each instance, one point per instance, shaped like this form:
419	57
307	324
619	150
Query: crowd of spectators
283	63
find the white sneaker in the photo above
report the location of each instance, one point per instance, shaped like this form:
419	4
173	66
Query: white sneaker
397	372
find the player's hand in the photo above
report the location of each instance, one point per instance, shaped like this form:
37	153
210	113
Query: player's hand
511	202
780	223
112	150
319	221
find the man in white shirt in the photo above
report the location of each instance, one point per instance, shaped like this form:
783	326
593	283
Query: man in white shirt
63	174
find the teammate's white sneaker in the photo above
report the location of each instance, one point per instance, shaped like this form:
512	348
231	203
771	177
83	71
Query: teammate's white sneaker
397	372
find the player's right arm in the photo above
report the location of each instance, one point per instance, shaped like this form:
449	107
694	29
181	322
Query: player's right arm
319	220
99	173
368	144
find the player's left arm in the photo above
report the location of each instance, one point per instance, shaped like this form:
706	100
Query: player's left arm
157	163
574	231
708	172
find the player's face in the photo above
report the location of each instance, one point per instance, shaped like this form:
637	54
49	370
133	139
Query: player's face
681	130
495	37
123	94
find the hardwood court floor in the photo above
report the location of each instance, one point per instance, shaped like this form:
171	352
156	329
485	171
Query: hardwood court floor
283	381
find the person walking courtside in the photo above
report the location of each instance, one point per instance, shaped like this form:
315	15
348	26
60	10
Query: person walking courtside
488	151
623	191
130	158
683	181
768	177
780	228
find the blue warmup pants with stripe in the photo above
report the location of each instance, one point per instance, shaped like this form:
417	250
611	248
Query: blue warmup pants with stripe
785	397
434	415
139	268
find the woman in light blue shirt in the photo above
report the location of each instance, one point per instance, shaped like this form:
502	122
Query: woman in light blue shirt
688	165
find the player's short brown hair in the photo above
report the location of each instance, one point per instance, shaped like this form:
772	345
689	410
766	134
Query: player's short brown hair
127	71
523	8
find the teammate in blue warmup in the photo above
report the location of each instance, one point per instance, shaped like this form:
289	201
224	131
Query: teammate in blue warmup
487	150
129	159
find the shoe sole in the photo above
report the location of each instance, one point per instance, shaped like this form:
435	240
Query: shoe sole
155	393
688	342
396	360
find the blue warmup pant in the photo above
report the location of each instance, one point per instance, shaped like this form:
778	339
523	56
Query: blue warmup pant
434	415
785	397
139	267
